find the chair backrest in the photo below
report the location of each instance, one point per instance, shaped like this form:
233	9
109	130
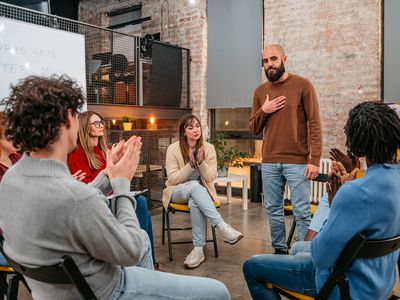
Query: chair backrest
65	272
357	247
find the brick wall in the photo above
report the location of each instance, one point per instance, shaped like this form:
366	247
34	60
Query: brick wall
185	25
336	44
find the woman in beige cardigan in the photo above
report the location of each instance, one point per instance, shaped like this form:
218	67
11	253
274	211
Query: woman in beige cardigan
191	165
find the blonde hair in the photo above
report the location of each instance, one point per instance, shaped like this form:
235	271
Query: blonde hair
84	139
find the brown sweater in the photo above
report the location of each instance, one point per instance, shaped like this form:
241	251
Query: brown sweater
293	134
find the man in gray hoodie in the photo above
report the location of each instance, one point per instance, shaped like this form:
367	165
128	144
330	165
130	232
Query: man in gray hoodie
45	213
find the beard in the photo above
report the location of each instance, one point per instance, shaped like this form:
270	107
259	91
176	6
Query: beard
274	76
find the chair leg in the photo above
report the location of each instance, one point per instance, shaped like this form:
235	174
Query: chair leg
3	285
169	236
214	241
291	233
163	227
26	284
13	284
344	288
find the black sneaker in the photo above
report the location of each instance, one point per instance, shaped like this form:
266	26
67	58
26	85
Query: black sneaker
280	251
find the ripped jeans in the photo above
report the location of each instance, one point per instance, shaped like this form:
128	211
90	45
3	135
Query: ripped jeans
201	207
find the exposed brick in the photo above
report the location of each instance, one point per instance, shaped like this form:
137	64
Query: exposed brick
336	45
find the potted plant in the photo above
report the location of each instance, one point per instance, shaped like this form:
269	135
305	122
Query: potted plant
226	156
126	122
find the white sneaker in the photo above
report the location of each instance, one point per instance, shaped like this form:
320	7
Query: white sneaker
229	234
195	258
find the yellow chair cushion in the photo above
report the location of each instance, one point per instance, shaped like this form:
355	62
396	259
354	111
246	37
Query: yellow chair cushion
301	296
185	207
6	269
290	208
294	294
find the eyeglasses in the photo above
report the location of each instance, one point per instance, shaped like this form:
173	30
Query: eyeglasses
98	124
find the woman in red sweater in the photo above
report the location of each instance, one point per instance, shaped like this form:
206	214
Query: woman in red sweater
90	158
90	155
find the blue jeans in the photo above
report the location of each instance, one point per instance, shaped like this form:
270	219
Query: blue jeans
139	283
293	272
142	282
201	207
302	246
274	177
144	218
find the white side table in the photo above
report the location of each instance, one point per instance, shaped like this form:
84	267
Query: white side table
233	178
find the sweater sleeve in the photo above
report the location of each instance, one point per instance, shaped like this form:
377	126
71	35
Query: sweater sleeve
113	239
350	214
208	168
174	174
78	161
102	183
258	116
314	123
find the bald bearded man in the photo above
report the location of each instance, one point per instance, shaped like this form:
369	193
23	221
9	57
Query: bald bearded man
285	109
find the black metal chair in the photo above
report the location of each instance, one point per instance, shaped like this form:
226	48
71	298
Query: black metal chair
9	288
65	272
166	225
357	247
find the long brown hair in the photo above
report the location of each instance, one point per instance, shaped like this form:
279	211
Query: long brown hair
184	122
84	139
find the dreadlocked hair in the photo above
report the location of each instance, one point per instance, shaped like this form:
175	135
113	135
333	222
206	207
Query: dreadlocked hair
373	130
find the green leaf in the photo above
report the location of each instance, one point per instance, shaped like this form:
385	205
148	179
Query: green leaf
226	155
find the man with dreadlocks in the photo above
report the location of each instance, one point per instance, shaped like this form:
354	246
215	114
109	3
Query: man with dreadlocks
369	205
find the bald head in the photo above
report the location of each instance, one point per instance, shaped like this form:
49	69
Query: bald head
274	60
276	47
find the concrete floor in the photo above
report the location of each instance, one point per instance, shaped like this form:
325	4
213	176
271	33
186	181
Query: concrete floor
228	266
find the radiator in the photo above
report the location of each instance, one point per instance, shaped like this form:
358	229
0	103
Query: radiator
318	189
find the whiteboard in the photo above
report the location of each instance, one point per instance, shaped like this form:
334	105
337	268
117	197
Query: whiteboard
29	49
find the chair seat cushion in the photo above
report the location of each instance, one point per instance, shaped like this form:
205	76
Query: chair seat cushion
294	294
6	269
185	207
289	208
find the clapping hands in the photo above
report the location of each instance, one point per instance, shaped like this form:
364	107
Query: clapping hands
339	176
79	175
348	163
196	157
123	158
